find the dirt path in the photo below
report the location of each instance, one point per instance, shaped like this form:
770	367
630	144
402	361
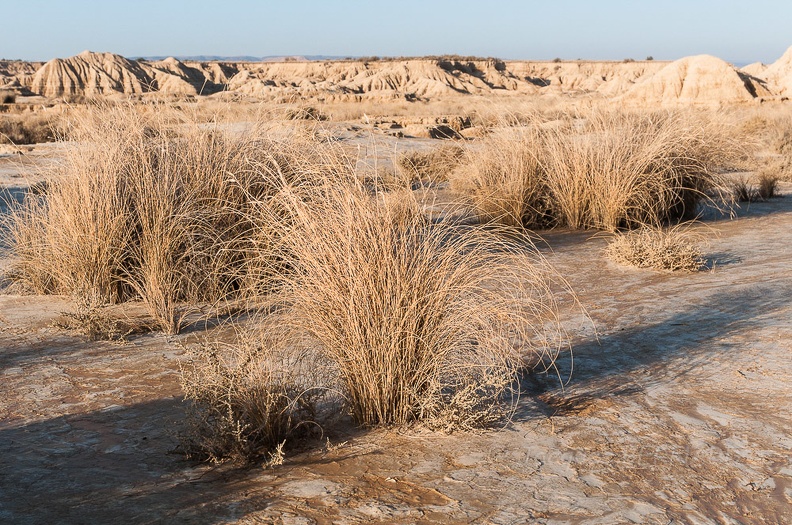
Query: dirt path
681	412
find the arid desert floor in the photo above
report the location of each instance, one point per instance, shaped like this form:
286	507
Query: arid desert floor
675	407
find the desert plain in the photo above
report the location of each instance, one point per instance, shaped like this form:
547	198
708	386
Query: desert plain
666	398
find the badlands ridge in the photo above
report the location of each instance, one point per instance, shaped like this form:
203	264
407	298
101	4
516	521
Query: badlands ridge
695	80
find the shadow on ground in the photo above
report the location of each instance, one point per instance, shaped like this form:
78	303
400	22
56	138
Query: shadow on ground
115	465
667	349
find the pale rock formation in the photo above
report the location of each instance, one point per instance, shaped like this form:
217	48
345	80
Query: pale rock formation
756	69
778	75
91	74
700	80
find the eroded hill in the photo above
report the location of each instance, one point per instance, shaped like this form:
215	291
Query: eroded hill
699	80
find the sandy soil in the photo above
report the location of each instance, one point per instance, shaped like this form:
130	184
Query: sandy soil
678	410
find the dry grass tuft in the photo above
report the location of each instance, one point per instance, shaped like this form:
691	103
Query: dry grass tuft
419	167
767	185
7	96
602	170
422	321
504	180
762	187
304	113
673	249
153	205
27	128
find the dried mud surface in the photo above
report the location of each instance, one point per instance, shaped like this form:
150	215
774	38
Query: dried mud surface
677	410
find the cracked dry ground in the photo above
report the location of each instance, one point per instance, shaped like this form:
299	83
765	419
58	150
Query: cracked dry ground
679	410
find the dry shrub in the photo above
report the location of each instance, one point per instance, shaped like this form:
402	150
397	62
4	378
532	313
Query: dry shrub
247	400
422	321
420	167
152	205
304	113
98	324
605	171
767	185
93	323
27	128
658	248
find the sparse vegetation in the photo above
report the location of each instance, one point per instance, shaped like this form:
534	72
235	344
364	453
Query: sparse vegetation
27	128
417	321
600	170
421	321
367	307
673	249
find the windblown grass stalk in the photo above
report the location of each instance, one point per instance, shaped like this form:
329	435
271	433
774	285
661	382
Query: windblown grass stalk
422	321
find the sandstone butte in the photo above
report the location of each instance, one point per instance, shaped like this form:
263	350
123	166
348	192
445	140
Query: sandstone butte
697	80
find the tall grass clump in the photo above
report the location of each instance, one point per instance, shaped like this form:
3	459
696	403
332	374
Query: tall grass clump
27	128
152	205
504	179
602	170
421	321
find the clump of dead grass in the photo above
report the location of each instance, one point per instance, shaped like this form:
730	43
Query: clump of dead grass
504	179
602	170
152	205
304	113
27	128
422	321
7	96
422	167
673	249
761	187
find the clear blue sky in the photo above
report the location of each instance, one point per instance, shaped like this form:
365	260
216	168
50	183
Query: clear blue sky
736	30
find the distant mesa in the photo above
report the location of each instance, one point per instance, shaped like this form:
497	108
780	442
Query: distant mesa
701	80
